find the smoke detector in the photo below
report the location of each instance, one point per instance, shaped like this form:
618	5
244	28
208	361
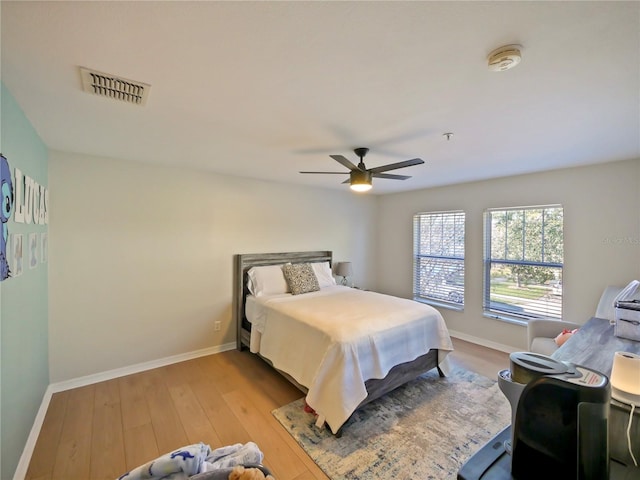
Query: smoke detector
112	86
504	58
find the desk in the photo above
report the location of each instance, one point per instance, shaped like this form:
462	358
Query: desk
593	346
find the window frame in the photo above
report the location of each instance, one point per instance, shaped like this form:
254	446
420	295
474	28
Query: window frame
440	301
488	261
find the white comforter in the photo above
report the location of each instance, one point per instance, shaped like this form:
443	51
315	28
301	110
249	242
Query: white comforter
333	340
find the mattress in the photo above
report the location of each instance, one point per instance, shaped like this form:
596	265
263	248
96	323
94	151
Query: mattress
332	341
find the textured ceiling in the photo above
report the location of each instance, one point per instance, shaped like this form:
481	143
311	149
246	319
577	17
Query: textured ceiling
266	89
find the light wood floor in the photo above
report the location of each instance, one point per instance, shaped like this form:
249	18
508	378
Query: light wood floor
103	430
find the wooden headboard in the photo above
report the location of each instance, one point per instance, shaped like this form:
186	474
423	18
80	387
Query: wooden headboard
243	262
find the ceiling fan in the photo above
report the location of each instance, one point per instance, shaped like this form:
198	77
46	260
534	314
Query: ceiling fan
360	176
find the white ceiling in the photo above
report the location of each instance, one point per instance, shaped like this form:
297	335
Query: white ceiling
266	89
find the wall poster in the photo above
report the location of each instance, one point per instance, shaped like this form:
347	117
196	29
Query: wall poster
16	254
6	195
34	249
28	202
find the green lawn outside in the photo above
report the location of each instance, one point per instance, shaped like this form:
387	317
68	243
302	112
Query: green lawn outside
510	289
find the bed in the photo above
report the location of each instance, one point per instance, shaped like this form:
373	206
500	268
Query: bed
342	346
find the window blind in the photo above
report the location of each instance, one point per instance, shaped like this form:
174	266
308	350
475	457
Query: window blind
438	267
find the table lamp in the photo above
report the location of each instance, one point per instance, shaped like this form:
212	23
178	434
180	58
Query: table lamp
344	270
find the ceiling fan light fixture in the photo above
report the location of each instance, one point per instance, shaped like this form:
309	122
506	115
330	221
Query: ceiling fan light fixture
360	176
360	181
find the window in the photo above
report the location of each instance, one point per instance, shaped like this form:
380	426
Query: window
523	259
438	258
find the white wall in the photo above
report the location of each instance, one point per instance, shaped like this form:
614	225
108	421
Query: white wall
141	256
601	234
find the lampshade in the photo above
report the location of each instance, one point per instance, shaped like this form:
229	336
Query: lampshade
625	378
343	269
360	180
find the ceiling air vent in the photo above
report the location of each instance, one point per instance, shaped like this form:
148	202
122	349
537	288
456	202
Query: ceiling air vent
118	88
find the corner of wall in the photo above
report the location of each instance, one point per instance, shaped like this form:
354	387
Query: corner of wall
24	294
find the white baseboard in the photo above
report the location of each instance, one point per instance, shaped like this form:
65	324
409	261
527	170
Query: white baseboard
27	452
30	445
485	343
138	367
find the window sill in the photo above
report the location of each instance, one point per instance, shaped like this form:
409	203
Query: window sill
450	306
502	318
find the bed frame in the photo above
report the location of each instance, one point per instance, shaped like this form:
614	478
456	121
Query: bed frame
398	375
242	265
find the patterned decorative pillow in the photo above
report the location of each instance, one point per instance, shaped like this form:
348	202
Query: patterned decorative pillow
301	278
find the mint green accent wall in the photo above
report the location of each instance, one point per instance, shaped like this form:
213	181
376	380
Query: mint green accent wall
24	337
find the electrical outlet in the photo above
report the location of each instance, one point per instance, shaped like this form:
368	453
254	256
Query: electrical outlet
216	326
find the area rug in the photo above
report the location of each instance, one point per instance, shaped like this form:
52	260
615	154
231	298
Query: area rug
425	429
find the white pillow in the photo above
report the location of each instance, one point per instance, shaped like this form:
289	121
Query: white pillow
323	274
267	280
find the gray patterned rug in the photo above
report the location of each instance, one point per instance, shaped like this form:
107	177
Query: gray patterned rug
425	429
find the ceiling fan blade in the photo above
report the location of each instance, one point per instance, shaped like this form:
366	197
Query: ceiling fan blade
393	166
344	161
330	173
390	176
348	180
